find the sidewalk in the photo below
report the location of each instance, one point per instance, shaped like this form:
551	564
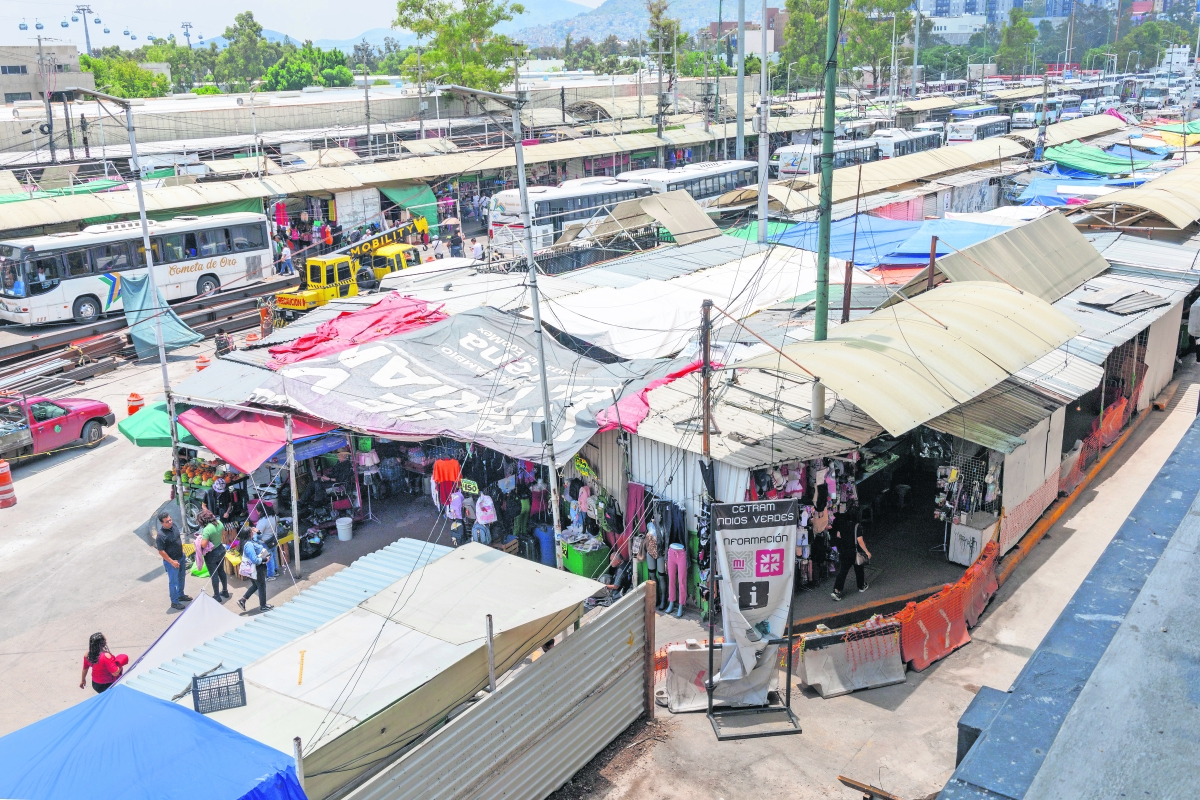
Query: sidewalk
903	738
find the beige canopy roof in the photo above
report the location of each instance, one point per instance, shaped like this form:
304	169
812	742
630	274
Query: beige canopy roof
1047	257
915	361
1174	197
878	176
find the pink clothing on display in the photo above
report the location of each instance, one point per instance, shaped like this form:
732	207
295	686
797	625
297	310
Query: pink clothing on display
676	575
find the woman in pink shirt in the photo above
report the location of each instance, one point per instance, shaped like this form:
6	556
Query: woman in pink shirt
105	667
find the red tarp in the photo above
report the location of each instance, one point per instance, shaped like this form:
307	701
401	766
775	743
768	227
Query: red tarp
246	440
630	410
391	315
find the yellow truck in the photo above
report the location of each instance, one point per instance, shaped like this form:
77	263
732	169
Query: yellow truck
351	269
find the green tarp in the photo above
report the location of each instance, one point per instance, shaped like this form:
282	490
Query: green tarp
148	428
1086	158
749	232
252	205
417	198
80	188
1192	127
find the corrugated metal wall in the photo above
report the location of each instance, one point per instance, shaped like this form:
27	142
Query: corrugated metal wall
671	472
540	727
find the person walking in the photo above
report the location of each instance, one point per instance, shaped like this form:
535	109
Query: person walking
170	547
852	552
255	556
285	260
456	244
105	667
214	559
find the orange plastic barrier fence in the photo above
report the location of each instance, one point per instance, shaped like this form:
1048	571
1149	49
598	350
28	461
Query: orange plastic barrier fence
933	628
980	583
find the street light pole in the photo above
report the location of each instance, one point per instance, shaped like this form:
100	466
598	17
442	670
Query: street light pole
741	80
516	102
157	311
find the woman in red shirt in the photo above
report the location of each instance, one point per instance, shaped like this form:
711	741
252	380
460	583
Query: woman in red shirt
105	667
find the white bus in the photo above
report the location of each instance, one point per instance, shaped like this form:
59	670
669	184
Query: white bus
805	159
973	130
65	276
894	142
553	207
705	181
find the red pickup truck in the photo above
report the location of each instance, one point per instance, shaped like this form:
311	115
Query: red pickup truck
30	425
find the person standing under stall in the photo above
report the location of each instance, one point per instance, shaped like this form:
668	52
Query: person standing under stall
170	547
254	554
456	244
852	552
214	559
105	667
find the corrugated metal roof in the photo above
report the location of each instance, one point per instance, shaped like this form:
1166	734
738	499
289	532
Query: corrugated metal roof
1062	375
226	380
1175	197
998	418
302	614
1122	248
1103	330
917	360
761	419
929	103
1129	302
1048	257
800	194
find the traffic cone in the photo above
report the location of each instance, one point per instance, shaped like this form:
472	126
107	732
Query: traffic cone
201	363
8	495
134	404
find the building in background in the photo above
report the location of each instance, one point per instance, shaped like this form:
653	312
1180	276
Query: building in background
776	23
958	30
21	78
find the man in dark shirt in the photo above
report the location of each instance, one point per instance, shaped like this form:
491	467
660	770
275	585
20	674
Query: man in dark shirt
456	244
622	574
170	547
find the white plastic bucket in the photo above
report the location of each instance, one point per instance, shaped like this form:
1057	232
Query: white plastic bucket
345	529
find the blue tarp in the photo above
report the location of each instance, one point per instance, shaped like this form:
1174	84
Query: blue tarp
139	314
889	241
1040	187
875	238
311	447
127	744
1149	154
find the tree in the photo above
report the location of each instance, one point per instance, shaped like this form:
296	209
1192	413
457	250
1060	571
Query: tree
366	53
1015	38
463	45
181	58
1147	42
241	62
308	66
869	26
121	77
804	40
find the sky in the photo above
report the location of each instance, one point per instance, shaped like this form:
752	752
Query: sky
301	19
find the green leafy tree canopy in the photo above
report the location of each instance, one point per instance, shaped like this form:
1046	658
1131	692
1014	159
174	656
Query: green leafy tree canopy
123	78
463	45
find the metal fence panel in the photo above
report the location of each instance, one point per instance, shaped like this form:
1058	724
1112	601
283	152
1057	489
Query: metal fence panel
540	727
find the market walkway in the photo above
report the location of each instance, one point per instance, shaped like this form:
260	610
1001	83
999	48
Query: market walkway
74	555
903	738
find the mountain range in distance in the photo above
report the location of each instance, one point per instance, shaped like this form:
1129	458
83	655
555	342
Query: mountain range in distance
628	19
541	12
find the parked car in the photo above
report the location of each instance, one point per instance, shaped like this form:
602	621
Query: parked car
30	425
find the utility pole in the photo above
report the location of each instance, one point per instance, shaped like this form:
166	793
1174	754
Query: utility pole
705	416
367	106
764	133
1040	147
420	90
1070	36
916	46
741	81
46	96
187	33
151	281
658	102
87	36
826	205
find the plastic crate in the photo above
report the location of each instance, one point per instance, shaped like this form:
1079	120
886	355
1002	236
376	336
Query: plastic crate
588	565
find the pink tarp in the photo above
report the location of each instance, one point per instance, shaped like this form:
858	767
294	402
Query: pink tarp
394	314
245	439
630	410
